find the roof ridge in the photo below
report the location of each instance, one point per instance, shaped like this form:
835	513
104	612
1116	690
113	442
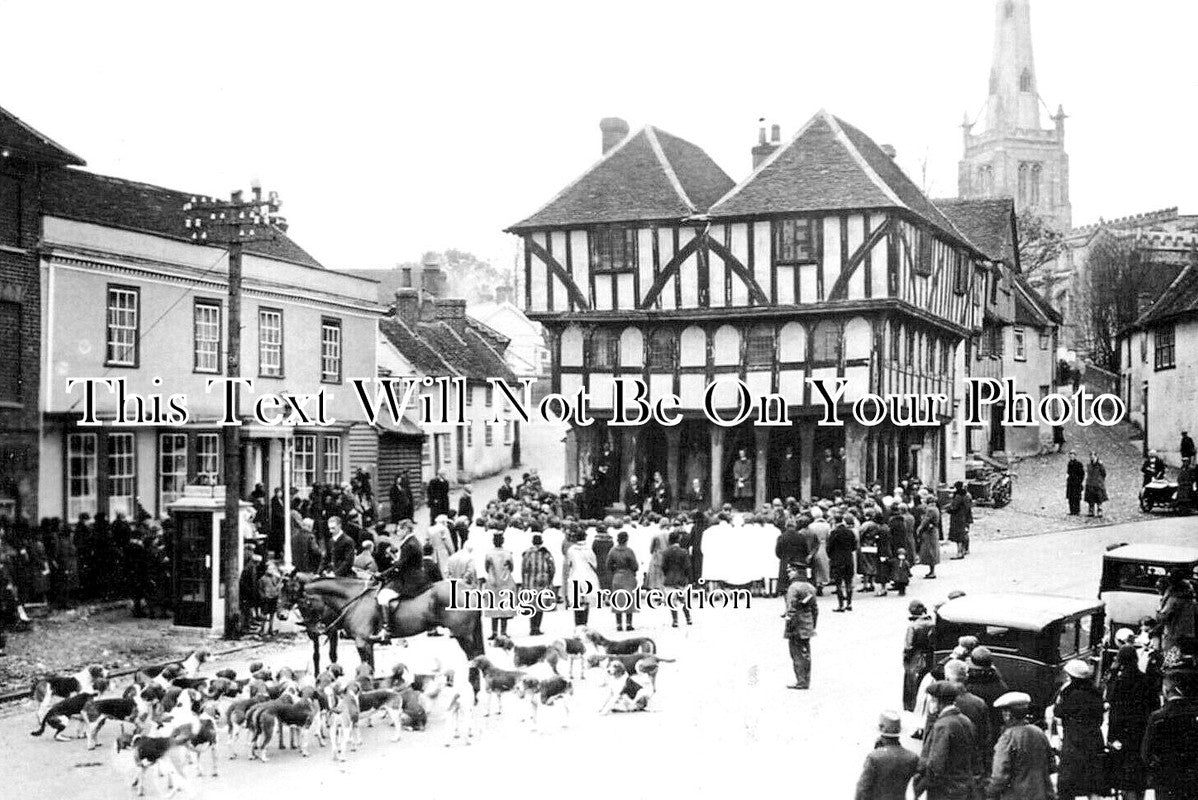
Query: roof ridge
771	158
46	140
1177	282
421	343
858	157
651	135
487	344
605	157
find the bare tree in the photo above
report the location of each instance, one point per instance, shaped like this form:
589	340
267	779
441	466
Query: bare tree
1111	297
1039	242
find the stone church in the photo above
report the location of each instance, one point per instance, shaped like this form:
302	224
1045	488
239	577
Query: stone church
1008	152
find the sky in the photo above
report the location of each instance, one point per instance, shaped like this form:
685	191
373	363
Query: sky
390	129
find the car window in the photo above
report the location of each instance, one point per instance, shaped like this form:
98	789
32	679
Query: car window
1068	641
1141	577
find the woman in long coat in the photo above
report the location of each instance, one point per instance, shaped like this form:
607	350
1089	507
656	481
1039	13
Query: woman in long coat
867	553
1079	707
581	580
1095	484
918	651
602	545
820	569
622	564
960	516
928	537
500	585
1132	696
654	577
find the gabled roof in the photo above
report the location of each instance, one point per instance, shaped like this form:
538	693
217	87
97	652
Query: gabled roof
119	203
23	142
829	165
1181	298
1030	306
434	348
650	175
988	223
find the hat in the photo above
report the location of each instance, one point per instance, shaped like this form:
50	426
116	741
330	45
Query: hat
1079	669
980	656
955	671
1124	635
944	690
1013	700
890	724
916	607
968	642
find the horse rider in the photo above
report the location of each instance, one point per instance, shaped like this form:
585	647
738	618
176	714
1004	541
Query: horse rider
403	580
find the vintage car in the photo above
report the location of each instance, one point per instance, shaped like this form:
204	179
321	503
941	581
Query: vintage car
1130	573
1031	636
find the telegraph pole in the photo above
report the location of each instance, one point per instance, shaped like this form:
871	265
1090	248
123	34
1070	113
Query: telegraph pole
231	224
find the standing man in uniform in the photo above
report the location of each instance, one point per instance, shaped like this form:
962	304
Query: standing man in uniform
802	614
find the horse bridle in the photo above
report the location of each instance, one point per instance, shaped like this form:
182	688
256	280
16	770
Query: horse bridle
307	607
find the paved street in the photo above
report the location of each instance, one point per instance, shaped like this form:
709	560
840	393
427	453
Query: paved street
723	721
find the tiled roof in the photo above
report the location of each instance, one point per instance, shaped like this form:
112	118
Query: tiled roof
1030	307
23	142
116	202
650	175
829	165
434	348
1181	298
988	224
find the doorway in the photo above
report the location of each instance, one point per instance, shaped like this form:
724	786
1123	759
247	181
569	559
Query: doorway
193	569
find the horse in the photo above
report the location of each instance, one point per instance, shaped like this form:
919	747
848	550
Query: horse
333	606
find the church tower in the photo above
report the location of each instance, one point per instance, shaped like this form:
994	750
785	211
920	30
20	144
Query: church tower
1012	155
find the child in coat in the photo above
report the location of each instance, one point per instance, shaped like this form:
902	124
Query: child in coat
900	572
268	595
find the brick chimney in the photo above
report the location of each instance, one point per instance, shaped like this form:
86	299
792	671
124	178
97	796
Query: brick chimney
452	311
504	294
407	305
432	278
764	149
614	130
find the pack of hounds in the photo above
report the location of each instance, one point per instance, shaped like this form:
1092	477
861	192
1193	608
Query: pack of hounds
172	719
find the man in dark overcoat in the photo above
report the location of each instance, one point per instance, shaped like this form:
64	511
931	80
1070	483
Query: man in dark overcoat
1075	478
438	497
890	766
946	764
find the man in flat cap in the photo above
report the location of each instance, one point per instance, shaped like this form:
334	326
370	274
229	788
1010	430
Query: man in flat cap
802	613
946	764
1023	759
890	766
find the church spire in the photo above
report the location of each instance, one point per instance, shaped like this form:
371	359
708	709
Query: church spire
1013	102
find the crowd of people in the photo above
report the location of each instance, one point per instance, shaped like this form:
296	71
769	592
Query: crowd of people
1138	727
